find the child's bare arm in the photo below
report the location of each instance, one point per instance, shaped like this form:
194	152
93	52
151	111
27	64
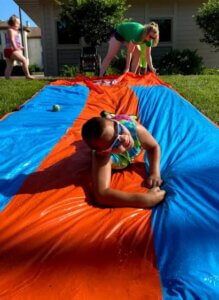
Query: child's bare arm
153	151
149	59
107	196
130	49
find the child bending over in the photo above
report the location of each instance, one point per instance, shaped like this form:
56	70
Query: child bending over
116	141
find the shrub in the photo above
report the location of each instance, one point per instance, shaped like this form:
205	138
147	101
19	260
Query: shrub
34	68
92	19
180	62
112	71
210	71
69	71
207	19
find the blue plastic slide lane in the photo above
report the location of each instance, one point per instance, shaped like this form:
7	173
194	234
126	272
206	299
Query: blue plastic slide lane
27	136
186	224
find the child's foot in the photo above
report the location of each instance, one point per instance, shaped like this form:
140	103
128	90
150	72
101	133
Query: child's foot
30	77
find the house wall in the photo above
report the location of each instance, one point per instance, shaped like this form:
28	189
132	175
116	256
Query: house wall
35	52
2	42
43	13
185	33
189	34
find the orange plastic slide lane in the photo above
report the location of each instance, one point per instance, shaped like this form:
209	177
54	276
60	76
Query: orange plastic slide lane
123	80
55	243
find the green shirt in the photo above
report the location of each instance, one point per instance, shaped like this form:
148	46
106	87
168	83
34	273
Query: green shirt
148	43
131	31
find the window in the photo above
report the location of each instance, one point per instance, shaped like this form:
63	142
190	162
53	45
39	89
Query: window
65	36
0	39
165	27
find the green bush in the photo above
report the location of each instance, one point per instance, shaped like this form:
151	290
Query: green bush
180	62
92	19
207	19
210	71
34	68
69	71
111	71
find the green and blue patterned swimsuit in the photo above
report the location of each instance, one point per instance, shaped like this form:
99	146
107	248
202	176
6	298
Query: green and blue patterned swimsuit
122	160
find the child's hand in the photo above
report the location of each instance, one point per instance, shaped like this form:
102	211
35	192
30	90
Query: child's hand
154	180
154	196
153	70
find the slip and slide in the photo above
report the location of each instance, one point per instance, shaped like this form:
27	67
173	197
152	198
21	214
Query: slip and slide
56	243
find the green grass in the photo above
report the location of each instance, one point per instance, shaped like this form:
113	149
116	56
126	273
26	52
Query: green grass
15	92
200	90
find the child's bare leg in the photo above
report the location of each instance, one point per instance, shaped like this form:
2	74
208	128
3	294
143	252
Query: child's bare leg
9	67
135	60
17	55
138	72
114	46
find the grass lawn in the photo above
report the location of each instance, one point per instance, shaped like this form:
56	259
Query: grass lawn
15	92
202	91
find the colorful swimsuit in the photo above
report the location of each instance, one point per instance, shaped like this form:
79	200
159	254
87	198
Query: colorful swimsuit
8	51
122	160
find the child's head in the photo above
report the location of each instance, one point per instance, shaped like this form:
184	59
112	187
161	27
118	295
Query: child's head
106	136
14	21
151	30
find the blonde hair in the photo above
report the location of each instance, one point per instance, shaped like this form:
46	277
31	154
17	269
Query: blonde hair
12	20
151	27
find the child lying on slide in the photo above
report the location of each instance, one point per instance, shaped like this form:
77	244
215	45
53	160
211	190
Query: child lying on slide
116	141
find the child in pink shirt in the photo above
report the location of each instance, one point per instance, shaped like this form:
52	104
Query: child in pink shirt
13	50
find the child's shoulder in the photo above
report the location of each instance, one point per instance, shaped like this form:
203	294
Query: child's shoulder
11	30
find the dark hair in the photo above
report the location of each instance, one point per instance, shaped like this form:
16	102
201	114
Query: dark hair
93	128
12	20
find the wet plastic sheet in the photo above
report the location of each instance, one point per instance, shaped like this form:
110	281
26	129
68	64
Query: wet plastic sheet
27	136
186	225
55	243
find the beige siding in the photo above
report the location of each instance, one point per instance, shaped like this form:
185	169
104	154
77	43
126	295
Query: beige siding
137	12
143	11
161	9
189	34
35	52
185	33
